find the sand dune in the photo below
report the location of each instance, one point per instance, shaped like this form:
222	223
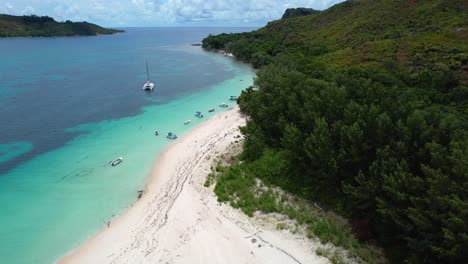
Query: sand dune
178	220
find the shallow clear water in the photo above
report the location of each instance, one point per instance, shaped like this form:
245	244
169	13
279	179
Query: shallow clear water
70	105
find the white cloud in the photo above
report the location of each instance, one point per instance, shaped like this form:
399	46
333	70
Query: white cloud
29	10
6	8
165	12
184	11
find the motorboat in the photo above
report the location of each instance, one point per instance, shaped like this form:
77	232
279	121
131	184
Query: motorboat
116	162
187	122
223	105
211	110
148	85
198	114
156	133
171	135
233	97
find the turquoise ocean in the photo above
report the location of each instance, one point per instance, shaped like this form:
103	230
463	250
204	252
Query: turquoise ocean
70	105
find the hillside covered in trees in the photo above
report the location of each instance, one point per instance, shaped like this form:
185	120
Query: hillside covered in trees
295	12
44	26
363	107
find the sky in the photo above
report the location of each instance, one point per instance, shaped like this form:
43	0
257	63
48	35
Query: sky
127	13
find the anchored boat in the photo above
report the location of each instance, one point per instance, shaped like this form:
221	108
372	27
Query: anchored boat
171	135
116	162
148	85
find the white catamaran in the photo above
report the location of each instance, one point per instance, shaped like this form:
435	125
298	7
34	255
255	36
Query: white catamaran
148	85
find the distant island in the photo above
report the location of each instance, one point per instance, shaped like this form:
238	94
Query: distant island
44	26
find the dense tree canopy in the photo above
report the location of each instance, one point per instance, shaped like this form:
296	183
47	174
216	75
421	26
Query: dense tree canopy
373	123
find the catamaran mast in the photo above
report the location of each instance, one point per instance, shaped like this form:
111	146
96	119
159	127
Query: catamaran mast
147	73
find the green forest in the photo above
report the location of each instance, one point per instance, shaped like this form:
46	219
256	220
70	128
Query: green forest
44	26
363	107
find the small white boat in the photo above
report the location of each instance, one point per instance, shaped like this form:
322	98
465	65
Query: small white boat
198	114
187	122
223	105
233	98
148	85
116	162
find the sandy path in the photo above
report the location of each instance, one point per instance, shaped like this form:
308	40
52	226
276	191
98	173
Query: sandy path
178	220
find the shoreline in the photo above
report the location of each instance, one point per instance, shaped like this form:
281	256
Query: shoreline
177	219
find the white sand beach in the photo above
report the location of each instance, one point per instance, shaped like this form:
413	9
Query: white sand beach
178	220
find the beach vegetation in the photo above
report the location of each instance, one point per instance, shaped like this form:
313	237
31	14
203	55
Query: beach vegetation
246	188
210	179
281	226
219	167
